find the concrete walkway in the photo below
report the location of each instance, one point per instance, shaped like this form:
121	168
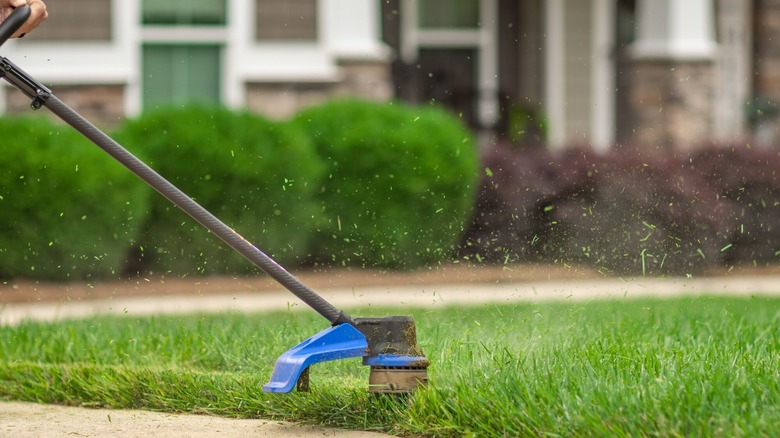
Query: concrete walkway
395	296
32	420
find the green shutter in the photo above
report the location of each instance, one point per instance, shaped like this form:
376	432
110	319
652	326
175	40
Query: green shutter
177	74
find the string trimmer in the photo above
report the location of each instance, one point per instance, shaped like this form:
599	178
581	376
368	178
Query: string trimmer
388	345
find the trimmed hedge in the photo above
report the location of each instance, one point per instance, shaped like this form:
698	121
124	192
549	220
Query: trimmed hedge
67	210
629	212
399	186
348	183
256	175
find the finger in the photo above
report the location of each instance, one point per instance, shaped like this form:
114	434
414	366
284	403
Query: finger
38	14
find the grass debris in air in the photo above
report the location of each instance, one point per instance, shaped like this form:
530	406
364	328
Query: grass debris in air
705	366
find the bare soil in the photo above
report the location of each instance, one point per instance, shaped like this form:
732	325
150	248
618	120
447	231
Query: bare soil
29	291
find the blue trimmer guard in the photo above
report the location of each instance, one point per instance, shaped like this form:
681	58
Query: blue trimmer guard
390	372
339	342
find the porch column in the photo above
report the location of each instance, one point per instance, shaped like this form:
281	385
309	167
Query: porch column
672	95
734	68
352	34
765	114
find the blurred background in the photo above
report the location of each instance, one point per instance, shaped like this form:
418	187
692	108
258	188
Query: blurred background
633	136
600	72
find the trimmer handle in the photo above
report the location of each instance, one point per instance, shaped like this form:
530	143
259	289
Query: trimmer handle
13	22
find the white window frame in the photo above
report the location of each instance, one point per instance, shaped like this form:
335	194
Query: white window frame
86	62
347	29
484	40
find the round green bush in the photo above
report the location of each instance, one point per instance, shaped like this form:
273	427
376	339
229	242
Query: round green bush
68	211
399	186
252	173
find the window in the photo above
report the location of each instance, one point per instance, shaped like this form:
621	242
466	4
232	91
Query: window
435	14
177	70
184	12
452	56
286	20
75	20
175	74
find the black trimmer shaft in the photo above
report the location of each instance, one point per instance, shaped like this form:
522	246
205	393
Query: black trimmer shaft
197	212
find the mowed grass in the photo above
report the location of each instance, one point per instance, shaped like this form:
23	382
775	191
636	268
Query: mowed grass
704	366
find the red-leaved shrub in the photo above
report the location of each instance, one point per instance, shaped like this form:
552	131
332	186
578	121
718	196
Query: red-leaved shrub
626	211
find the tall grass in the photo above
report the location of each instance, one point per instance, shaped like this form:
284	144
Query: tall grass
706	366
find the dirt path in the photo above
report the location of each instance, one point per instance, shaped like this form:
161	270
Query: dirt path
388	295
26	291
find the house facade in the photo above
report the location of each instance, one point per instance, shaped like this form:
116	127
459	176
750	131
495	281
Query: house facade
656	73
111	58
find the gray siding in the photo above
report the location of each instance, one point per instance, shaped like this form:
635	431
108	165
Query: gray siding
578	73
286	20
75	20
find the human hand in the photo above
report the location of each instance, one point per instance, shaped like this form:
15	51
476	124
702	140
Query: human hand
37	14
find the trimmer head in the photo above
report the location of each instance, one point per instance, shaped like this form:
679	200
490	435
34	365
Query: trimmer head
388	345
397	380
397	364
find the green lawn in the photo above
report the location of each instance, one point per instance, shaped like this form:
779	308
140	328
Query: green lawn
705	366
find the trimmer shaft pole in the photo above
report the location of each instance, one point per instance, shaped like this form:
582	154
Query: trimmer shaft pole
197	212
43	97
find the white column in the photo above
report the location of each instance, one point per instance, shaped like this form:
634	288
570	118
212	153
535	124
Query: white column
409	37
488	107
241	25
126	34
352	29
733	68
603	76
554	92
675	29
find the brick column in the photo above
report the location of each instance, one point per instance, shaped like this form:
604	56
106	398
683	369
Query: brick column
672	93
766	64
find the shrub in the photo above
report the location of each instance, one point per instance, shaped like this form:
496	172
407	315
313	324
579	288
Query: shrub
643	215
256	175
399	185
629	212
68	210
746	184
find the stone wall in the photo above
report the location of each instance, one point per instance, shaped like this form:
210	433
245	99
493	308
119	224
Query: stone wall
363	79
766	66
671	103
766	48
102	105
280	100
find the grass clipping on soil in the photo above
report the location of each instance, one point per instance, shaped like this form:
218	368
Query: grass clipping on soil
704	366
